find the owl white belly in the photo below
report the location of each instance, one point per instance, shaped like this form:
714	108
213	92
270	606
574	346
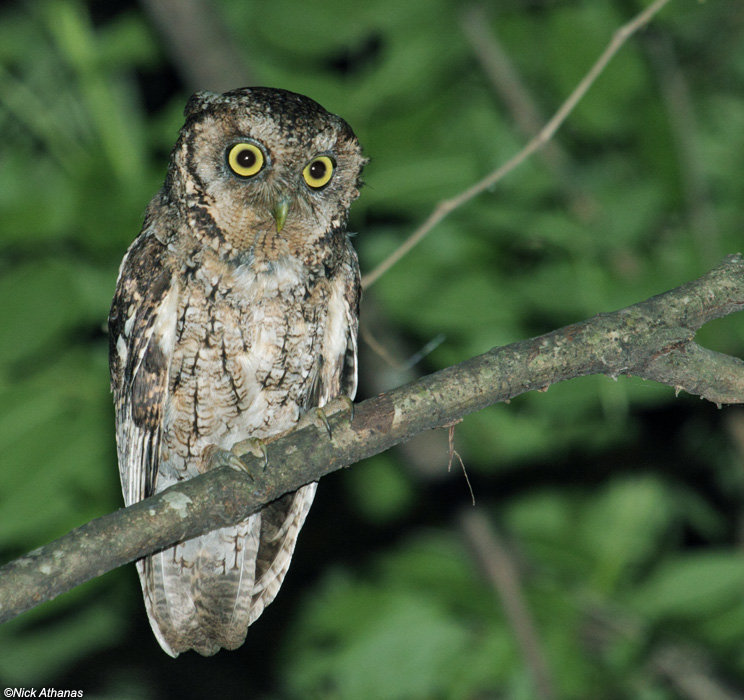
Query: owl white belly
244	364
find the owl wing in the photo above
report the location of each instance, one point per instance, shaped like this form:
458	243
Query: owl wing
336	375
141	331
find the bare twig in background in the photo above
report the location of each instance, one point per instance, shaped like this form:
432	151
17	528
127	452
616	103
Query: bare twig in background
200	45
500	569
508	84
382	359
447	206
652	339
686	667
380	350
681	115
690	673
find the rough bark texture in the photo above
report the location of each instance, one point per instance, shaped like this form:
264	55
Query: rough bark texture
652	339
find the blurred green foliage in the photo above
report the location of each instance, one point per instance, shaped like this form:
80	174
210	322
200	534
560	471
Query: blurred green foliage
620	503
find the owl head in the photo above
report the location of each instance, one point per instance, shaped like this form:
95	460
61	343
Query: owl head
265	160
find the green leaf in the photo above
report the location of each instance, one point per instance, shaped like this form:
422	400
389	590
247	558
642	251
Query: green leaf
622	528
693	587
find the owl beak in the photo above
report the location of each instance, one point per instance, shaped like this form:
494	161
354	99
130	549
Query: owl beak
279	212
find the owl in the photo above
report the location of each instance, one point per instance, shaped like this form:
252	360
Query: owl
235	312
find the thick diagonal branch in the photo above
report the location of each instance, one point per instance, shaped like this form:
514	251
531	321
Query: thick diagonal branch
652	339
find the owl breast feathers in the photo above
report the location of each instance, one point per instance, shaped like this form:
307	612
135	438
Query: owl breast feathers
236	310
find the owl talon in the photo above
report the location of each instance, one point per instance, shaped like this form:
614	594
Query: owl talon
339	404
323	418
216	457
256	446
319	416
349	405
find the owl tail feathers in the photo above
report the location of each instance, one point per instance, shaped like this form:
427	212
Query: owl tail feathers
281	522
198	595
164	631
204	593
173	640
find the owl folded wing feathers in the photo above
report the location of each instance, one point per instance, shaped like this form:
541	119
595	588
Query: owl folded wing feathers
139	363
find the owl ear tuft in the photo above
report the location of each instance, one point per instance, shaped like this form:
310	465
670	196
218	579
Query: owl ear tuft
199	101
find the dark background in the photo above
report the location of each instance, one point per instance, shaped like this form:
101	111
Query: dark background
618	504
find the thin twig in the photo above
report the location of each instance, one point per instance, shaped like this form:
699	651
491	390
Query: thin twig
684	129
203	51
507	82
690	672
501	571
447	206
378	348
523	108
687	667
454	453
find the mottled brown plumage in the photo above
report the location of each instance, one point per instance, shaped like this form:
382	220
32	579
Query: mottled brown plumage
234	313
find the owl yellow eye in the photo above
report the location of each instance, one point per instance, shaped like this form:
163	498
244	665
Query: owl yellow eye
245	159
318	172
